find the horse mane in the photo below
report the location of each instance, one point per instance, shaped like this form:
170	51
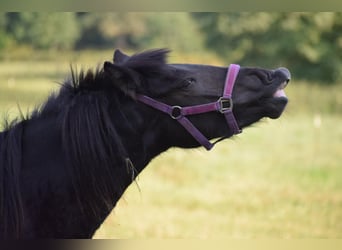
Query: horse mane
95	153
90	135
11	209
89	139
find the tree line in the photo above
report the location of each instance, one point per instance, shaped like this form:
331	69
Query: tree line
310	44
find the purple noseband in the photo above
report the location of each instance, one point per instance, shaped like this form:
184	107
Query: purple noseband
223	105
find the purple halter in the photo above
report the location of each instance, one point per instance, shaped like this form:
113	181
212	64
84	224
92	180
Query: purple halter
223	105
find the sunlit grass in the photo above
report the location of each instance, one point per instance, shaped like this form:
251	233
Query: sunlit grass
280	178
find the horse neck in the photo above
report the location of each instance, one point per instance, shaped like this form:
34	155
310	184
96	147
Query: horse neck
63	161
103	157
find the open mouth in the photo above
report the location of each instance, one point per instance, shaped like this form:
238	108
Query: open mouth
280	91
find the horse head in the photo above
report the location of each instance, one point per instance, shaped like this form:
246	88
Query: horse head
257	93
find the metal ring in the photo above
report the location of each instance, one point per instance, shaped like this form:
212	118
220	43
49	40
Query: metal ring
176	112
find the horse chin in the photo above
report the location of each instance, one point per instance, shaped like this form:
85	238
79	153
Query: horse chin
276	106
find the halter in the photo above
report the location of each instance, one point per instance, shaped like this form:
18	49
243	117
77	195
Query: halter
223	105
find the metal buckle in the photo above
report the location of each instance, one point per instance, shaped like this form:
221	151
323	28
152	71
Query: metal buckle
225	104
176	112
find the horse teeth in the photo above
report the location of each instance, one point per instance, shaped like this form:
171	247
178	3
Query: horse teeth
283	85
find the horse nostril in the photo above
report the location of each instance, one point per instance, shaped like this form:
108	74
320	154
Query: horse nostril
285	72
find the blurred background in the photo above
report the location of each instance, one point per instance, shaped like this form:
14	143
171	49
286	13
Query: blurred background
280	178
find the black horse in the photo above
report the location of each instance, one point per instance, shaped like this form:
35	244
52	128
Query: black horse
63	168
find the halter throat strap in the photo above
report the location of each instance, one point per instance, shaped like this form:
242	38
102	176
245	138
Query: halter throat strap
223	105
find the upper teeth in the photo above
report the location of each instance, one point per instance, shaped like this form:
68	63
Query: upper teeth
283	85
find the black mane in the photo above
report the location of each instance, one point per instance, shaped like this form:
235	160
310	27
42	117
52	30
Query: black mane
89	137
11	210
90	134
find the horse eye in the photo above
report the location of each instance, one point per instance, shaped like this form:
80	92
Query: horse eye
189	81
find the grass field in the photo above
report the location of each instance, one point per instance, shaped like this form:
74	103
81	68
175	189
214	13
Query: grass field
280	178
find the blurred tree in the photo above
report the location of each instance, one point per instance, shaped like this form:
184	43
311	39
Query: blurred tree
177	31
140	30
5	39
310	44
110	29
43	30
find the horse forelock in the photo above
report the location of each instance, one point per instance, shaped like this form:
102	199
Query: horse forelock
155	57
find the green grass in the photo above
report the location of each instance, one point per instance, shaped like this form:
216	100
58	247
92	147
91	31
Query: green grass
280	178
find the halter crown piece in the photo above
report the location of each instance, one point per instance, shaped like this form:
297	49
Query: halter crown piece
223	105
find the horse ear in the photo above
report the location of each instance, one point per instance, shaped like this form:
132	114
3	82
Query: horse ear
124	79
119	57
